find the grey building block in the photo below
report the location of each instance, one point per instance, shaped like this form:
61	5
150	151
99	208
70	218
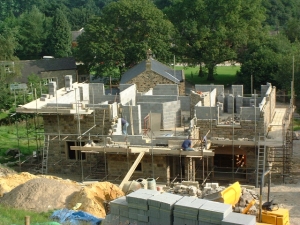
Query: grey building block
166	89
237	90
154	221
248	113
164	201
204	112
153	212
52	88
178	220
214	211
124	220
239	219
185	102
143	218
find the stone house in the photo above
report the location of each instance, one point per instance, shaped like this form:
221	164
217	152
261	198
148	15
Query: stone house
52	69
148	73
83	132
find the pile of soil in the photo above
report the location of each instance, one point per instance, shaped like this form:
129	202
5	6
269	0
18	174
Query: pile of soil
40	195
4	171
43	193
94	197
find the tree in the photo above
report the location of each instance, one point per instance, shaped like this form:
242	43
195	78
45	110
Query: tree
292	29
31	34
213	31
267	61
121	36
60	36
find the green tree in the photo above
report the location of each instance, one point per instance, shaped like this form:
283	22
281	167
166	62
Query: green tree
292	29
213	31
31	34
121	36
59	38
267	61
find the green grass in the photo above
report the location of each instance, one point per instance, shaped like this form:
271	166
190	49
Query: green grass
19	136
296	124
226	75
10	216
3	115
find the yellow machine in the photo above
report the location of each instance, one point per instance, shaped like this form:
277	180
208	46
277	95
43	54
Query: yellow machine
277	217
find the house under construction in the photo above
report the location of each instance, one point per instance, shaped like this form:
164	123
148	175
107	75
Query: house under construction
246	134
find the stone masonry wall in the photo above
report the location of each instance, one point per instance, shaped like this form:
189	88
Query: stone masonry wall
67	126
245	130
119	165
150	79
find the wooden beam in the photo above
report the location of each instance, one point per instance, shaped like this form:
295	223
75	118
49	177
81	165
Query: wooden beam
132	169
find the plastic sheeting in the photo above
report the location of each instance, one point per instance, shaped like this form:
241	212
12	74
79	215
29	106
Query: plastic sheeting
66	216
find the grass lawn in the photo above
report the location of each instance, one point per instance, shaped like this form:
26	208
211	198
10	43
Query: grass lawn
226	75
18	136
296	124
9	216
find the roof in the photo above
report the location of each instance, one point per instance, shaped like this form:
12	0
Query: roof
43	65
174	75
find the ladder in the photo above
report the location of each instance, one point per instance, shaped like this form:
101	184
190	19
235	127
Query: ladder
45	155
261	160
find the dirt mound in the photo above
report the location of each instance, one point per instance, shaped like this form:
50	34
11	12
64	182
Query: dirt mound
4	171
40	195
93	197
11	181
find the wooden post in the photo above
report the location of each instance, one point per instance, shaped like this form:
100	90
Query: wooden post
27	220
131	121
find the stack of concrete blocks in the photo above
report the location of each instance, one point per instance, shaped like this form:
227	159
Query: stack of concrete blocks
183	213
161	208
238	103
138	205
171	115
119	213
134	113
213	212
166	89
239	219
230	103
96	93
52	89
237	90
206	112
68	82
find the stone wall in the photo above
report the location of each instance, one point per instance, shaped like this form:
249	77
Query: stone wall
150	79
245	130
67	126
119	165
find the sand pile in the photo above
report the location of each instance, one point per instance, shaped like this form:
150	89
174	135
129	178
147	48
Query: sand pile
93	197
40	195
4	171
43	193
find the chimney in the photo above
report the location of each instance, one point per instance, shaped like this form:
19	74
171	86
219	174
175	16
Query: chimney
148	61
68	82
52	88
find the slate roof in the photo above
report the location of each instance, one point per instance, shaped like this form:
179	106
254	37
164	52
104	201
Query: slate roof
176	76
43	65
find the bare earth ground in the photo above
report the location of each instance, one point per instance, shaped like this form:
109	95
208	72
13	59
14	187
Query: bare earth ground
288	195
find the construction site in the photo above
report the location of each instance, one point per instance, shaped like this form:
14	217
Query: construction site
247	137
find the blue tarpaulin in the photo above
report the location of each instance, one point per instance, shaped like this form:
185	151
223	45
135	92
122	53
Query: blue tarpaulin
74	217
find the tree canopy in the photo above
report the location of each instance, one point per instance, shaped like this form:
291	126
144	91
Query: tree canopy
123	33
212	31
